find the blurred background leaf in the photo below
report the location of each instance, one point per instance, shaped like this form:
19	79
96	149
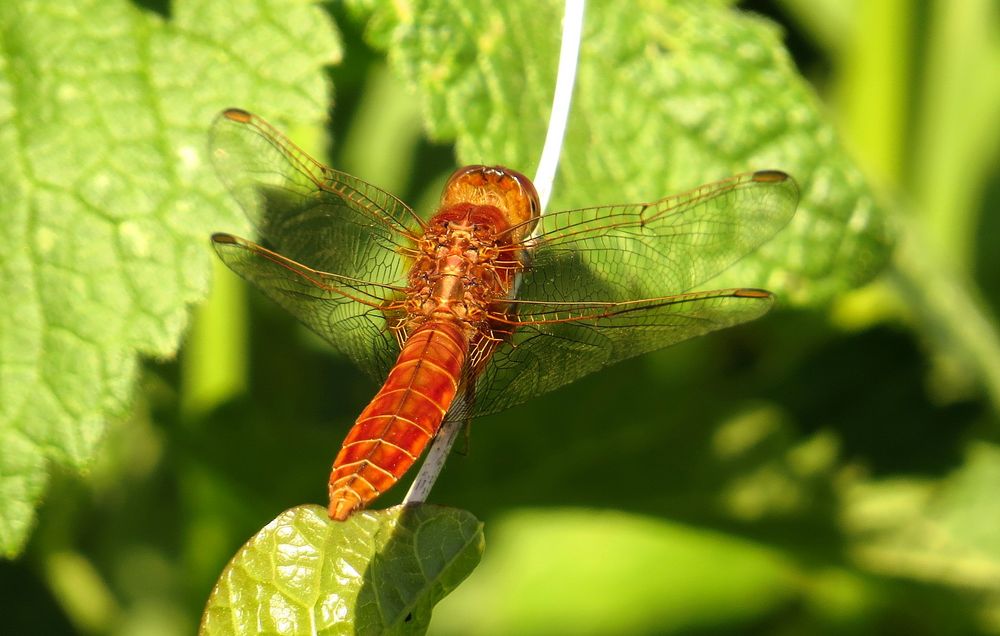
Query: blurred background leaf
827	469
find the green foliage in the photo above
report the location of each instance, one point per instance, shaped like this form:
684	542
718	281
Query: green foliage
830	468
107	200
675	594
668	96
378	572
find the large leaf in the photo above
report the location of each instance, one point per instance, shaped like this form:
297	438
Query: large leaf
592	572
669	95
379	572
107	199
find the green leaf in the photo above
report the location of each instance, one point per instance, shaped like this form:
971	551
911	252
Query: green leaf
938	531
669	95
593	572
107	199
378	572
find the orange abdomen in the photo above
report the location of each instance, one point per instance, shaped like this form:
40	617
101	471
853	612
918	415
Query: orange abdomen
402	418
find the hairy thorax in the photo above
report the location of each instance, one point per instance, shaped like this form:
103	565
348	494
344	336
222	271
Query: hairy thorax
463	267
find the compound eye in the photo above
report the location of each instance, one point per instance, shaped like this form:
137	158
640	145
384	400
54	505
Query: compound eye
528	189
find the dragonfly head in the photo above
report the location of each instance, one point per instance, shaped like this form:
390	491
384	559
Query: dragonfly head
507	190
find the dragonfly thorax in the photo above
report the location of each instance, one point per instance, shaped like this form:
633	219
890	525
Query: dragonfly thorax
462	268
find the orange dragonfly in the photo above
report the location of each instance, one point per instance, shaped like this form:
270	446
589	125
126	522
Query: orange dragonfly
489	303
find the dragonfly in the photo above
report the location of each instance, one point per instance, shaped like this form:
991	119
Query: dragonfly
489	302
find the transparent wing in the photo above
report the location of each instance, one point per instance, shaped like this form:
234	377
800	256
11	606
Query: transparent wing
651	250
326	219
553	344
353	315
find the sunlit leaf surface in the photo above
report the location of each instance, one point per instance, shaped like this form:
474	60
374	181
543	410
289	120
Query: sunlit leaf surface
107	200
378	572
669	95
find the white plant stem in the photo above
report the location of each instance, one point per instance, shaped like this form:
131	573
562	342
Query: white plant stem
569	57
569	53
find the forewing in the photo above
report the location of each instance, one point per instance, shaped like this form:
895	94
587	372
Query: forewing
556	343
671	246
354	316
325	219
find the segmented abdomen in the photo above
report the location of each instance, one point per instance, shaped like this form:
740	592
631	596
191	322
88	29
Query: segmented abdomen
402	418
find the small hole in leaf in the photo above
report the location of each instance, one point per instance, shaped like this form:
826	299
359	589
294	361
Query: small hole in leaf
409	617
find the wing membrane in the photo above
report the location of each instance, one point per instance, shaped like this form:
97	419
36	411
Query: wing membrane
313	214
626	252
352	315
554	344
